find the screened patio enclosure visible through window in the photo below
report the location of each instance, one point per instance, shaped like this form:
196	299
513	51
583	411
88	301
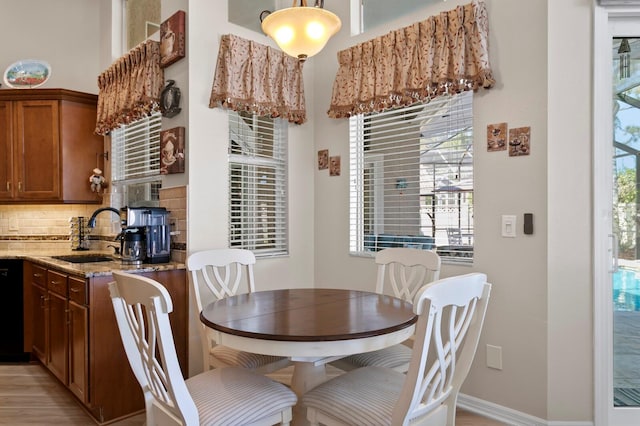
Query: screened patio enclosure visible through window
412	178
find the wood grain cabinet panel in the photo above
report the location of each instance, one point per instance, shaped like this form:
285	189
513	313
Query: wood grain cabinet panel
79	351
51	149
58	352
6	145
73	331
38	322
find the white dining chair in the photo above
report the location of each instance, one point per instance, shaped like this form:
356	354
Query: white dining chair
451	313
402	271
213	275
226	396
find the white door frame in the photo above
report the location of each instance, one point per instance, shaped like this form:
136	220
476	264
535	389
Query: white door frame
605	413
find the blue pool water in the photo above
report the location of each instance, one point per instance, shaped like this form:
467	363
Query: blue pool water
626	290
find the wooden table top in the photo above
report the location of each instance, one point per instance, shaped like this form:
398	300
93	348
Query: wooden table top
308	315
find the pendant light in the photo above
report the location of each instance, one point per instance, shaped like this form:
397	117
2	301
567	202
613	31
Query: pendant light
625	60
301	31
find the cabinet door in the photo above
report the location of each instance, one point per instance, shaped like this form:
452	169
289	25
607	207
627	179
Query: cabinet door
39	308
6	145
79	351
57	359
38	146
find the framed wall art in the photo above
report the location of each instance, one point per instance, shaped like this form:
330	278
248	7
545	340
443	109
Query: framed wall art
172	39
323	159
497	137
172	151
334	165
519	141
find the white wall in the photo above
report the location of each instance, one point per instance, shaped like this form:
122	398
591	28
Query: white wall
569	169
208	141
540	312
64	33
520	317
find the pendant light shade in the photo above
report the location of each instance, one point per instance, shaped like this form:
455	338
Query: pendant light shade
301	31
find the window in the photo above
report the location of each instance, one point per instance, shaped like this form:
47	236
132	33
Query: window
411	174
373	13
135	151
142	19
257	184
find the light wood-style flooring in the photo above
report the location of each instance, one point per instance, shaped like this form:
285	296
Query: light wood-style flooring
29	395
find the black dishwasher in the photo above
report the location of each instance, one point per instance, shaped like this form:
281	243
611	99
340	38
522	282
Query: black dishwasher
11	308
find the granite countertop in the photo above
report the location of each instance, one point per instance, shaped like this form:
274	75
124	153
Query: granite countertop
91	269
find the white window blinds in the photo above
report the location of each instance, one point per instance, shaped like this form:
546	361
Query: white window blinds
135	150
258	184
411	174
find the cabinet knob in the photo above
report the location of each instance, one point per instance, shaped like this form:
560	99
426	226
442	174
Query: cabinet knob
8	186
37	275
19	186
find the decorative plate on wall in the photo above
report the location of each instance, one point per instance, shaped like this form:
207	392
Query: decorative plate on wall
26	74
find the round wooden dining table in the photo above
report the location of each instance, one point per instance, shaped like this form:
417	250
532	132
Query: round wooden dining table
312	326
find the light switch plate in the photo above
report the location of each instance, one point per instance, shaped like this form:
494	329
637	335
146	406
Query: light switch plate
509	226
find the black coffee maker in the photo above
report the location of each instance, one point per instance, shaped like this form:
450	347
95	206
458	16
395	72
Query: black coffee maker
146	235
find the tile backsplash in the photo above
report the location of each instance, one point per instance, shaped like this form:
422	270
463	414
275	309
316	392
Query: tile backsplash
22	226
47	225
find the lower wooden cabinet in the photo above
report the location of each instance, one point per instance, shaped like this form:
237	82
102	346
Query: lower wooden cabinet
71	328
78	316
39	313
58	348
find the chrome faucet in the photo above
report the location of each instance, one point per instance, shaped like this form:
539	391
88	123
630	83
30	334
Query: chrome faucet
92	220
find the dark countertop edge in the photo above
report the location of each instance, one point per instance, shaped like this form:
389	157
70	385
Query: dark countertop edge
94	269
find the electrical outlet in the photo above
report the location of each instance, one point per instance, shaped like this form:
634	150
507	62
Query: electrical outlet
494	357
13	224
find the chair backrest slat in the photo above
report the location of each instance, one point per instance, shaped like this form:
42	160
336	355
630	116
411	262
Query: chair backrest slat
451	313
142	308
215	274
406	270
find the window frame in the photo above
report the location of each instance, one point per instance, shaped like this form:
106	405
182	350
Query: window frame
385	149
139	187
258	184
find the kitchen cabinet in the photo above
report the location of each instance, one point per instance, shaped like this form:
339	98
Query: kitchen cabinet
36	311
78	315
72	330
50	322
51	150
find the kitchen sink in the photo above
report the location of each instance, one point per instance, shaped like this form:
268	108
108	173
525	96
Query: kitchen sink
84	258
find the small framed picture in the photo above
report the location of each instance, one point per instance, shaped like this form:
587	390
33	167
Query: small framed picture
172	151
497	137
172	39
323	159
334	166
519	141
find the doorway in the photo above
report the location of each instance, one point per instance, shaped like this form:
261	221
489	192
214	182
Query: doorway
617	215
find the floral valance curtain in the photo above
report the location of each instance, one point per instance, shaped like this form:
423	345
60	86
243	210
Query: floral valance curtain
130	88
447	53
259	79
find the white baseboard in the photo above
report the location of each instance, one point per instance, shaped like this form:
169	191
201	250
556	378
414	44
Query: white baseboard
507	415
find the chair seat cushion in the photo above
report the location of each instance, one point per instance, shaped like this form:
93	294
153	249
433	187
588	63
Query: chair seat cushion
391	357
236	396
365	396
243	359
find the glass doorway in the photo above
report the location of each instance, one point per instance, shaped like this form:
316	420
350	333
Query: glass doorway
626	218
616	216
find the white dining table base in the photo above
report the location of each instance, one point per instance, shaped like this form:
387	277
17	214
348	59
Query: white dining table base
307	374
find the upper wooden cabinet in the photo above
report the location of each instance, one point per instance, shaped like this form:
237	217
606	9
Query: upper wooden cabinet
49	145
